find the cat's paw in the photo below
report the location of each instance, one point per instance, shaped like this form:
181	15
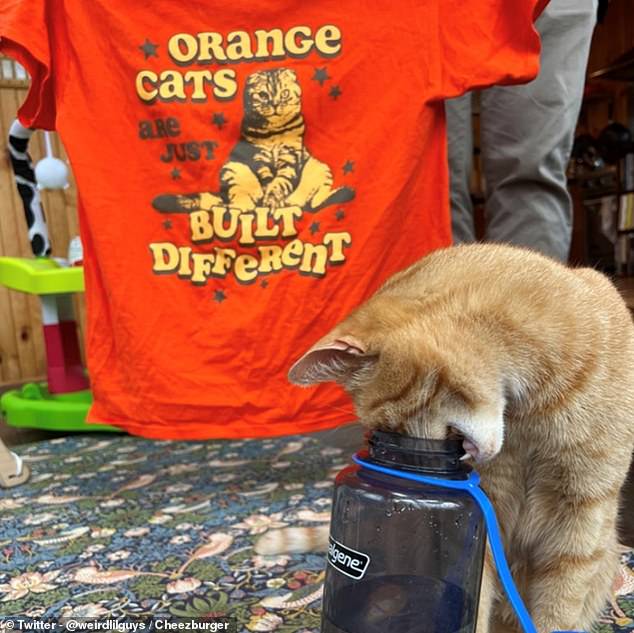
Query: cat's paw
175	203
293	540
170	203
276	192
338	196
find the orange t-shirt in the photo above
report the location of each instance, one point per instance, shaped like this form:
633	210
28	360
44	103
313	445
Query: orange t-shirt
248	173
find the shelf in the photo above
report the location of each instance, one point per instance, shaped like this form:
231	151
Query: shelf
597	195
593	175
621	69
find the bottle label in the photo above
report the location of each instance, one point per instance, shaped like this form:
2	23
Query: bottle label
348	561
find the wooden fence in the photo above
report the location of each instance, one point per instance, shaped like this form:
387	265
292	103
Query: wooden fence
21	338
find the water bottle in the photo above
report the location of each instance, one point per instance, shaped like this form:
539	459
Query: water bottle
404	556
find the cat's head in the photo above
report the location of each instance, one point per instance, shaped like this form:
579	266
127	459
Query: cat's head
272	97
408	376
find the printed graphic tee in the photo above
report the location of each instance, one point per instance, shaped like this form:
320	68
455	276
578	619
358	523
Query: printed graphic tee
248	173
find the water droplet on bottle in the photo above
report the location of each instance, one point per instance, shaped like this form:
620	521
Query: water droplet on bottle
398	506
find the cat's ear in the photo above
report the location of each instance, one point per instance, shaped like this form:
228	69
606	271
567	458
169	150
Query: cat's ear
289	73
332	359
253	79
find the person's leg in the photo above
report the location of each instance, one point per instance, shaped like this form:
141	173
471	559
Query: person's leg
460	154
527	133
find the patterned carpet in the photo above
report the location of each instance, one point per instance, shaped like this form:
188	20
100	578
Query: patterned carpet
123	527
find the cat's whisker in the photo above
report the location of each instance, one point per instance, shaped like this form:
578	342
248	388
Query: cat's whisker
336	408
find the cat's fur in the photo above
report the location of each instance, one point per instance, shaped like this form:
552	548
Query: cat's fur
270	166
533	363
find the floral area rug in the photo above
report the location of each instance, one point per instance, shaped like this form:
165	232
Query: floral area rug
126	528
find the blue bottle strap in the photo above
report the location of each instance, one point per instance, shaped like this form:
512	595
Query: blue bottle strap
471	485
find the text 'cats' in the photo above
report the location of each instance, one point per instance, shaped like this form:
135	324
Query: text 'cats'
208	48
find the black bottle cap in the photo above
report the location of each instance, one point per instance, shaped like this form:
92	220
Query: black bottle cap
440	458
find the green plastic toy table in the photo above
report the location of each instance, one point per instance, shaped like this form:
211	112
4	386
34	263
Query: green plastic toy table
40	276
33	405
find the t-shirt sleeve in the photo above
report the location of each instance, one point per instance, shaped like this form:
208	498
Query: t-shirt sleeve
24	36
486	42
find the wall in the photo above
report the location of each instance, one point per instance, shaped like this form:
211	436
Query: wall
614	36
609	100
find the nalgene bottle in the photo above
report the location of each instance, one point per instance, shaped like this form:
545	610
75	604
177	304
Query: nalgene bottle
403	557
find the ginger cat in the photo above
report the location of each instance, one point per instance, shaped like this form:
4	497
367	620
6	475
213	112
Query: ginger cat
533	364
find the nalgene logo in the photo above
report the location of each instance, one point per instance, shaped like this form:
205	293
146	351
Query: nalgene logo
348	561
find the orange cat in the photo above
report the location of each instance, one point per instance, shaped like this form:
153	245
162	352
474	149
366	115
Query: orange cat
533	364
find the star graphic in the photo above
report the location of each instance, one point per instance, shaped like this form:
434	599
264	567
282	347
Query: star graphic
167	224
218	119
219	296
341	214
264	284
335	92
175	173
321	75
314	227
348	167
149	49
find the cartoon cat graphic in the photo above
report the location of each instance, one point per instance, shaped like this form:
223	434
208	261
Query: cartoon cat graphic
270	166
